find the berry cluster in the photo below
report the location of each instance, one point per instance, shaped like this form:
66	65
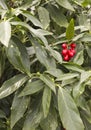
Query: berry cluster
68	51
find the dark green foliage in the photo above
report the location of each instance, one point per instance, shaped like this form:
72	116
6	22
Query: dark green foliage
38	89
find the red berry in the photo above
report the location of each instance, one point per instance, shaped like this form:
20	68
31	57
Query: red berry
73	51
64	52
73	45
70	53
64	45
66	58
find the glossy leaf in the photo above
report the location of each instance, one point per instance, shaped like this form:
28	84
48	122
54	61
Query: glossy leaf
54	72
18	108
67	76
44	17
57	16
74	67
43	56
32	120
67	110
37	32
18	56
88	48
11	85
46	100
79	59
70	30
48	81
50	122
78	90
3	4
5	33
66	4
84	76
33	19
32	87
55	54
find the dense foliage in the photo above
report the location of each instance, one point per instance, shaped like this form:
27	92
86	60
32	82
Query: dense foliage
39	88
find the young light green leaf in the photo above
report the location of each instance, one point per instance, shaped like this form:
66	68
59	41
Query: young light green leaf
67	110
32	87
44	17
66	4
46	100
48	81
18	108
11	85
70	30
5	33
17	55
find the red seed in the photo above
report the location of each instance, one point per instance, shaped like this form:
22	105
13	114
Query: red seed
64	45
66	58
64	52
73	51
73	45
70	53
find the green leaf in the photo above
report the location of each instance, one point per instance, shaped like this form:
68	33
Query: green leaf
50	122
33	119
44	17
33	19
66	4
86	38
48	81
88	48
32	87
57	16
67	110
67	76
84	76
18	108
2	61
70	30
73	66
78	90
2	114
79	58
54	72
42	55
79	87
55	54
5	33
11	85
46	100
3	4
37	32
17	55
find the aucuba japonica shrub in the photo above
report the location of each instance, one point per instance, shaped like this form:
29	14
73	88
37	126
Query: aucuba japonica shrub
45	65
